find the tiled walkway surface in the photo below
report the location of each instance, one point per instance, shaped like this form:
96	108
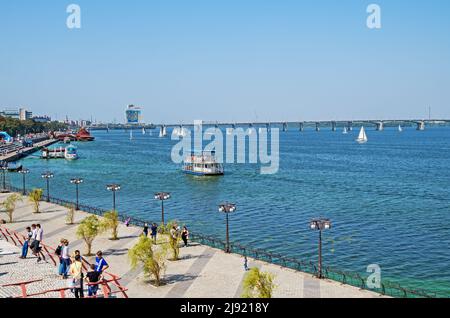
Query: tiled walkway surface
201	272
13	269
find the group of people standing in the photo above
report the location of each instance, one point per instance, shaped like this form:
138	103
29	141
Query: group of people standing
175	231
71	266
153	231
33	240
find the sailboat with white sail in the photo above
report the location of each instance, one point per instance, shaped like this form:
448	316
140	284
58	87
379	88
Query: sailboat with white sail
163	132
143	130
362	137
400	129
345	131
131	134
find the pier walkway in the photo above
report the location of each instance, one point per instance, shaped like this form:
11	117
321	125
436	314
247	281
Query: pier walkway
202	271
22	152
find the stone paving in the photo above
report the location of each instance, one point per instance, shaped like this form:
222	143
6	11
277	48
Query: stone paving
201	272
13	269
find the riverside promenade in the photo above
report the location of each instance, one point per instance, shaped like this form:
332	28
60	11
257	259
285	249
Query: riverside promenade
202	271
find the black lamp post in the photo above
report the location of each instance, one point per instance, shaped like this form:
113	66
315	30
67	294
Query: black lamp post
114	188
227	208
47	176
76	182
24	172
162	196
320	224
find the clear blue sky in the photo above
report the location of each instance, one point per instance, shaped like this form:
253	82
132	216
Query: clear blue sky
226	60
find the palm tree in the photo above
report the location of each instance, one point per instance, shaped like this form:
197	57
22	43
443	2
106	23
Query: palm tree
88	230
151	257
10	205
111	222
258	284
35	198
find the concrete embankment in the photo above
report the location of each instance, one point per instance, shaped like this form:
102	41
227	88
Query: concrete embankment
19	154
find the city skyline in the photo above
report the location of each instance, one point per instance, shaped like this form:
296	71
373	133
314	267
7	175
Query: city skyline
229	61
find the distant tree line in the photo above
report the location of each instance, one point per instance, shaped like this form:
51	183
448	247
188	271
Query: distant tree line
15	126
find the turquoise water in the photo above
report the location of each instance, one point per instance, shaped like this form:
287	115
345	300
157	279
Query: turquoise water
389	200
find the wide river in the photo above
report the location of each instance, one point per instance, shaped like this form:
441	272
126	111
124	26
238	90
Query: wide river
389	200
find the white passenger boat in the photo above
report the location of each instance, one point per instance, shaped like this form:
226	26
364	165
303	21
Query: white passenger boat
203	164
70	153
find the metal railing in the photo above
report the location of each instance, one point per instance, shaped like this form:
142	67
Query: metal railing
354	279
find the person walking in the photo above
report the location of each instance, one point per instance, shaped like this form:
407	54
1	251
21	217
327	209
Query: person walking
76	272
185	236
154	229
38	240
93	277
58	252
65	256
145	231
245	263
26	243
33	237
100	263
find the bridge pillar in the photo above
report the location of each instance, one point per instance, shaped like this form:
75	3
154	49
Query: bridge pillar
421	125
285	127
302	127
350	126
380	126
333	126
317	127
